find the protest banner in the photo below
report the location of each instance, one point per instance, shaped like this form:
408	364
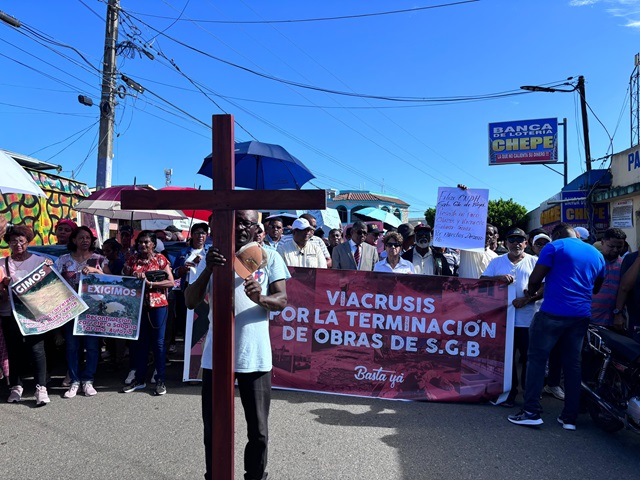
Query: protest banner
409	337
461	218
42	301
115	306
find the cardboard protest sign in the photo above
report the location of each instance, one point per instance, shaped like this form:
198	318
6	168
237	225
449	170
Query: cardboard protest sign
194	338
461	218
409	337
115	306
42	301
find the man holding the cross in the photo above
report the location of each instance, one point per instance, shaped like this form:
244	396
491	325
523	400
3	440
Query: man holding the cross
255	297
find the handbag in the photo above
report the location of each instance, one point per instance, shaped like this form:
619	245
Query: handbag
156	275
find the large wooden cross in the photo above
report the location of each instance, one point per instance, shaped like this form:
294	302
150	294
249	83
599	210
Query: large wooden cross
223	200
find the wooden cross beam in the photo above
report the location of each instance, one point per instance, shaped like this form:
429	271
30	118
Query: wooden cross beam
223	200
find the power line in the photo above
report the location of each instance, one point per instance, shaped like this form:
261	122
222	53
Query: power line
374	107
320	19
83	133
391	98
51	77
43	61
48	39
40	110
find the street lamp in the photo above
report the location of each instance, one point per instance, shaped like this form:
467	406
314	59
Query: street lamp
579	87
583	105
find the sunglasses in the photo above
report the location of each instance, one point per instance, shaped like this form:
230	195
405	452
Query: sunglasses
516	239
540	244
393	245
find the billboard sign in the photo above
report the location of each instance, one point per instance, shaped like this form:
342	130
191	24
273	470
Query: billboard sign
575	212
523	141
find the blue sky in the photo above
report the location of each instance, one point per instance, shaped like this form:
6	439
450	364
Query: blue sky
402	149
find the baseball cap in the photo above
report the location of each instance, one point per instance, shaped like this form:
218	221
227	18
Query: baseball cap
541	235
66	221
172	228
516	232
373	228
406	230
422	226
582	232
301	224
260	226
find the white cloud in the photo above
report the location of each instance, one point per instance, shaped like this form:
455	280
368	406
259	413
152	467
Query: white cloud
628	9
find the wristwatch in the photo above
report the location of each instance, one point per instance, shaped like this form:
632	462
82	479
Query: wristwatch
617	311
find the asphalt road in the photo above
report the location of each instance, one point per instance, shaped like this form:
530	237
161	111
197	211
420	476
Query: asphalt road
313	436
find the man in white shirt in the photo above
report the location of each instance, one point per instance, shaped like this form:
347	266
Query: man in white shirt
472	264
514	269
255	296
300	251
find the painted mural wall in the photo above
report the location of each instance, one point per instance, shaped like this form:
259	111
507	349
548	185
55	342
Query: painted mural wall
42	214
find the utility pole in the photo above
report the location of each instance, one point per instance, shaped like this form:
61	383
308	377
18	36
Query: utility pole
107	104
585	122
634	101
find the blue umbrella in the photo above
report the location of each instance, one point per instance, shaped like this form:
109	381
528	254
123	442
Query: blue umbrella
263	166
381	215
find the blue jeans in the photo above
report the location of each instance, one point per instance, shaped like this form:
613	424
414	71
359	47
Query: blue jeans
152	329
545	332
92	347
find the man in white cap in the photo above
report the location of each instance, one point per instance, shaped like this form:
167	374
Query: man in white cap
514	270
582	233
300	251
260	234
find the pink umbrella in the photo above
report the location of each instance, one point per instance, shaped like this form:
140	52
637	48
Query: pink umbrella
106	203
195	214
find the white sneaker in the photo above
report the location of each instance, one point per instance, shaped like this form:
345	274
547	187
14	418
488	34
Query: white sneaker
557	392
88	389
42	397
16	394
72	392
130	378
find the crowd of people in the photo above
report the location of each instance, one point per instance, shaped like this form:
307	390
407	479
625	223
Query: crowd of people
586	283
557	283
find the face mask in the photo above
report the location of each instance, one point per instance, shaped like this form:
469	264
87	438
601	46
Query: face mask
422	242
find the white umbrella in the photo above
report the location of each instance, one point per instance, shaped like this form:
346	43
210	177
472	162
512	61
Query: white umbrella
326	219
15	179
106	203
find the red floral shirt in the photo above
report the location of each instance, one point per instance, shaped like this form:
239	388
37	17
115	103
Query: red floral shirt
153	297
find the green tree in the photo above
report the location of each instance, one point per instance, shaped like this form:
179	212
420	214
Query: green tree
430	215
505	214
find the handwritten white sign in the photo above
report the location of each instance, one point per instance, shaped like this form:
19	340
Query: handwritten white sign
461	218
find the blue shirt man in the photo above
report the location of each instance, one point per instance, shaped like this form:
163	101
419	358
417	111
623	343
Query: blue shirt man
572	271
